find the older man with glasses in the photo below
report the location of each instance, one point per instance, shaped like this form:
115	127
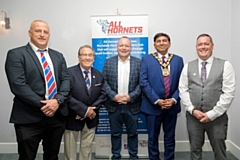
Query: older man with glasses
87	95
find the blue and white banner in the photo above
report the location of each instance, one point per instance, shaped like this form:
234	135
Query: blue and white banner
106	31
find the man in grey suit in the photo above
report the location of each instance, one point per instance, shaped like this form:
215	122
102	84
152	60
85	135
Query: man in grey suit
39	107
121	74
207	87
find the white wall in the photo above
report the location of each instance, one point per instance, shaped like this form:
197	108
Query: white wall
234	111
70	28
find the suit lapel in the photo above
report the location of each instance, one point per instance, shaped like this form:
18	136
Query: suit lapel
54	62
115	68
93	80
157	69
131	68
35	58
172	69
79	75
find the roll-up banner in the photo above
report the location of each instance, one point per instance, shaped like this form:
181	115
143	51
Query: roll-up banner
106	31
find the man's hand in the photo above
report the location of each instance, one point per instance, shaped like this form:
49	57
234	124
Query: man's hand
166	104
205	118
91	113
79	117
160	102
117	98
125	98
122	99
50	107
202	117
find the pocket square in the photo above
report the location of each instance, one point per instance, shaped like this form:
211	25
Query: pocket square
98	84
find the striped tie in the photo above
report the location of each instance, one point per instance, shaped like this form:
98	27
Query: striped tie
166	80
87	81
51	83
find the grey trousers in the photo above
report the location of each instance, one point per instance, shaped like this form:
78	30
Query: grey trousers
216	132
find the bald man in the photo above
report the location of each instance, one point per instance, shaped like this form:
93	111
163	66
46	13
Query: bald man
39	80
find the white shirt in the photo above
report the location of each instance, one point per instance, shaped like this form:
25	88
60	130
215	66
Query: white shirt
123	75
48	59
228	89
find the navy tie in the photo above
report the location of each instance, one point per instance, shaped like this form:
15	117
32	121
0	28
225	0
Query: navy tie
87	81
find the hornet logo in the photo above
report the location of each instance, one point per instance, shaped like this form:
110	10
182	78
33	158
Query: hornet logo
104	23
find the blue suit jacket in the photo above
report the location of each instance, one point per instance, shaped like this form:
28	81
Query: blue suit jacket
110	72
27	82
151	82
79	100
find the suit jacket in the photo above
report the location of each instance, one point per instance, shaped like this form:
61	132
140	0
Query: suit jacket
27	83
79	100
152	84
110	72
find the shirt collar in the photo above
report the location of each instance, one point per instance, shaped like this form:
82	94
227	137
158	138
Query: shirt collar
35	48
160	55
209	60
89	71
128	59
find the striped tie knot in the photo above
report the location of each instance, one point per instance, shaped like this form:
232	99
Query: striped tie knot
42	50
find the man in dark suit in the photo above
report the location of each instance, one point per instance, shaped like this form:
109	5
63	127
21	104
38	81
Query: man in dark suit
36	115
121	74
87	95
159	76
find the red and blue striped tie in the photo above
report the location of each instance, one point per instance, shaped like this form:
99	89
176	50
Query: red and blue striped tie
51	83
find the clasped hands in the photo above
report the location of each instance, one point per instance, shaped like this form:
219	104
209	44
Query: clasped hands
122	99
166	103
50	107
201	116
90	114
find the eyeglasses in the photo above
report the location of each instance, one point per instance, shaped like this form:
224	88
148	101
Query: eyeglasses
87	55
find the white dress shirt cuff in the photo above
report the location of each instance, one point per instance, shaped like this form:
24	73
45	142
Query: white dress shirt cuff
190	109
212	115
175	101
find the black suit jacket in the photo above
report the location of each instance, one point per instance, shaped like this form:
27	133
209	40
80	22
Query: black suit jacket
79	100
26	79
